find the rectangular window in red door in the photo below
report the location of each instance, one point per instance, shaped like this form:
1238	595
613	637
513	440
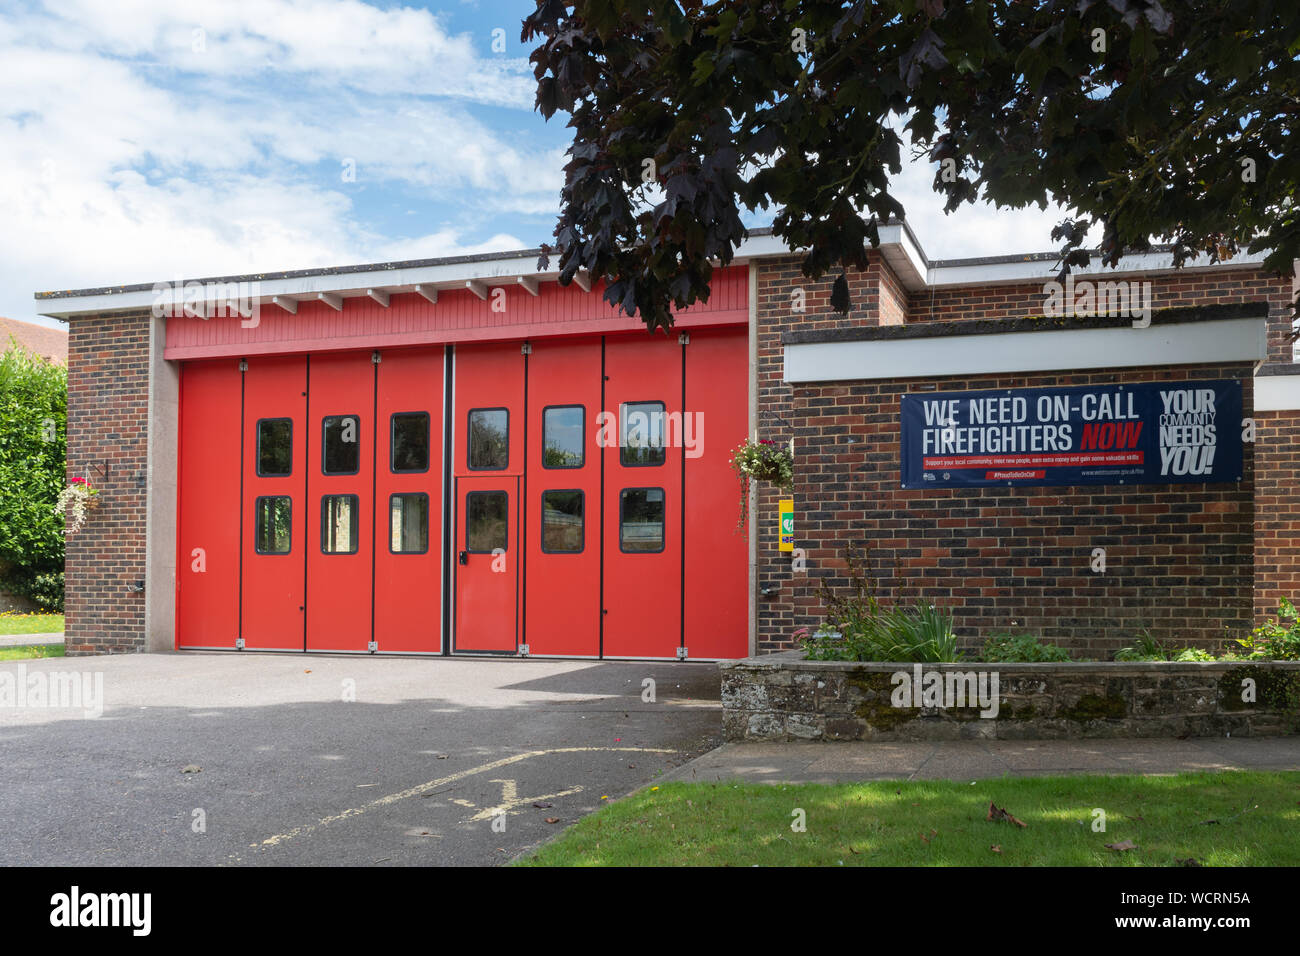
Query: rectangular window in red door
408	502
275	512
643	496
207	565
562	596
340	475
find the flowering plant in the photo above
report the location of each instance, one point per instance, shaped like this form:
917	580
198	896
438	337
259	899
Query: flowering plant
74	501
763	460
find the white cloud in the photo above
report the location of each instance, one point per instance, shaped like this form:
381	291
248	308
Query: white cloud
131	157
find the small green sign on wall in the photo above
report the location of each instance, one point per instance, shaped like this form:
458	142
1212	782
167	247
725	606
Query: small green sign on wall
786	513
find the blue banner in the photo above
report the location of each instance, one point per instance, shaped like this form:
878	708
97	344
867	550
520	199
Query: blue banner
1150	433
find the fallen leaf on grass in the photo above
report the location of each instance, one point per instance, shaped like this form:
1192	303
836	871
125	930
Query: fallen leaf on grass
996	848
997	814
1124	845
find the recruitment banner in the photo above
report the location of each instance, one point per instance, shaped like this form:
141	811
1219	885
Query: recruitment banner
1154	432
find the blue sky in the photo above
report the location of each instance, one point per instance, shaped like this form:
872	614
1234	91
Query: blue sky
145	139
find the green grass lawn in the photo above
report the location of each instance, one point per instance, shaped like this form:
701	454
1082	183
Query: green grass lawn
943	823
27	651
11	624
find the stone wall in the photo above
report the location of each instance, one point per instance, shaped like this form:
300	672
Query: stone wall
782	697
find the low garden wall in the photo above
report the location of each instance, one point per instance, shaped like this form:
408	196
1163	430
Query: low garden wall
784	697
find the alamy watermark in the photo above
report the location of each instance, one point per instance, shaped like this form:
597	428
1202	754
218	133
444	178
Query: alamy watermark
208	300
946	689
1114	298
53	690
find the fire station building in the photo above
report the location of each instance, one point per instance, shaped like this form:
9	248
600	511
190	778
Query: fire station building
460	456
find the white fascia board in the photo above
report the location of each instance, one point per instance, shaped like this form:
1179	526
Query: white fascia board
347	284
982	273
1227	340
1277	393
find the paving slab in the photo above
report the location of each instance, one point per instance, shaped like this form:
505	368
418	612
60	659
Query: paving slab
849	762
27	640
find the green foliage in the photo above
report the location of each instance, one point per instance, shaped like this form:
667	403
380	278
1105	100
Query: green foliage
1021	649
1147	648
860	628
1275	640
687	116
1144	648
33	420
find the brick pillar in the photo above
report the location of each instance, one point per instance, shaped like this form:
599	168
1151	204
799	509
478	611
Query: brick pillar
1277	509
108	408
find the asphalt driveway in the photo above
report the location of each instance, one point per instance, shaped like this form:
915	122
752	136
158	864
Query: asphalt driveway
354	761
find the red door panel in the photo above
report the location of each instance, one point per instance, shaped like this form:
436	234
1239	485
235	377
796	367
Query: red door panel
643	497
207	564
408	502
716	583
272	582
562	500
340	496
488	443
487	563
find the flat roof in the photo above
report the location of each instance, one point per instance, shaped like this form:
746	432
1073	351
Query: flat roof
898	246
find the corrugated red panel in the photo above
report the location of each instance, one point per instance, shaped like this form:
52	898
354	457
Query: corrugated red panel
458	316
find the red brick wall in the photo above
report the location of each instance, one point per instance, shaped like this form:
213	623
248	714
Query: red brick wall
1180	558
108	399
1277	509
1216	287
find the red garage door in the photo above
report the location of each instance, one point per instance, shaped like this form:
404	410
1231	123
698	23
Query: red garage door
570	496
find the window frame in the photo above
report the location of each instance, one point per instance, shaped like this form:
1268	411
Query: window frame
469	435
324	445
622	426
408	494
582	540
257	512
392	447
470	494
257	461
356	520
582	431
663	522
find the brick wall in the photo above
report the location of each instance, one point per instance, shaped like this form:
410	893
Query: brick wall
108	399
1277	509
1180	558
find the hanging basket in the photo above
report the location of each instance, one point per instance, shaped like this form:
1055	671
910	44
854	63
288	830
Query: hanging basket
763	460
76	501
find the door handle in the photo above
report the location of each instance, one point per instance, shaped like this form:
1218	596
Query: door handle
463	557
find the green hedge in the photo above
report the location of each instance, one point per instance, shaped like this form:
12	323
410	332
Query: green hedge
33	451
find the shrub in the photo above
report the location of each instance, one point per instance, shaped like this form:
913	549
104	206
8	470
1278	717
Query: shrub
1274	640
1021	649
860	628
1147	648
33	416
1144	648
